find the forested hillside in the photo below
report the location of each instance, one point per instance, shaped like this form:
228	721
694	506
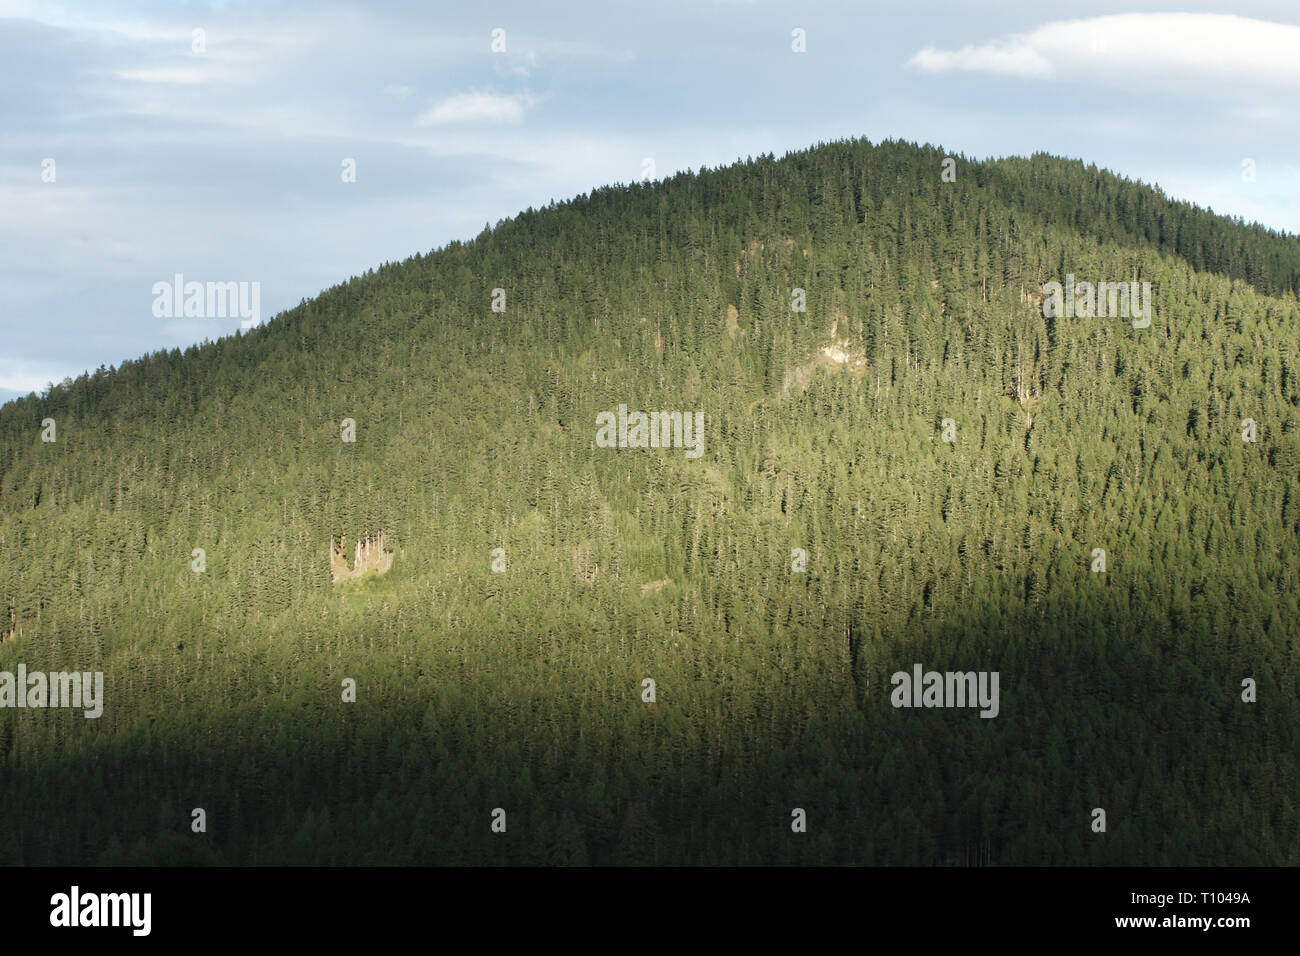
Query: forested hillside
515	681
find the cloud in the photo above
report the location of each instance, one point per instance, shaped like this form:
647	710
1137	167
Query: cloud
183	75
398	91
477	107
525	65
1267	201
1191	43
1011	58
22	378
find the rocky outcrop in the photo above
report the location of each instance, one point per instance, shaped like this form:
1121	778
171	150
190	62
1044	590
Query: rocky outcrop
370	556
840	353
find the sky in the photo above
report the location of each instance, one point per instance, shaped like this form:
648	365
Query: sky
293	145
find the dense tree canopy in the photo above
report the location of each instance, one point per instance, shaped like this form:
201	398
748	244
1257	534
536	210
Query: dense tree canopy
522	689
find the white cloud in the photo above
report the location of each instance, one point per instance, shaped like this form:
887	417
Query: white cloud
1012	58
525	65
183	75
398	91
1168	42
23	377
477	107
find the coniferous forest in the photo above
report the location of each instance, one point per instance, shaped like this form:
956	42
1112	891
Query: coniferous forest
903	461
